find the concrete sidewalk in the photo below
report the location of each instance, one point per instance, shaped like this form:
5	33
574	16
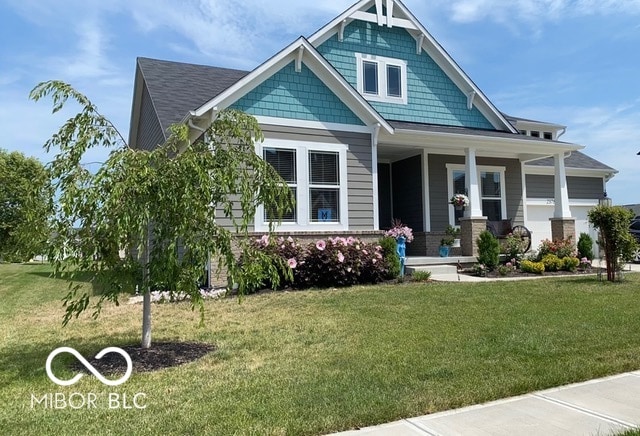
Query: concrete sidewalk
605	406
455	277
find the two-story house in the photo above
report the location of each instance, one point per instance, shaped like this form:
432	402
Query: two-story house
370	119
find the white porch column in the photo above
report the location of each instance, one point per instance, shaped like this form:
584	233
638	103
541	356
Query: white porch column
471	184
561	191
375	133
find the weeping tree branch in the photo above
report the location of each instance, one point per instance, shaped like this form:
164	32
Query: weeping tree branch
159	206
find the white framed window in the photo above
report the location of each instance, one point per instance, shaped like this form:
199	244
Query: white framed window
493	198
382	79
316	173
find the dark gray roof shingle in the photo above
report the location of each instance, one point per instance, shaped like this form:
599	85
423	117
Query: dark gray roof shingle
576	160
177	88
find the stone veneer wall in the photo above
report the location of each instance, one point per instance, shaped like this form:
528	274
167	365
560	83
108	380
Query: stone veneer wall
428	244
563	228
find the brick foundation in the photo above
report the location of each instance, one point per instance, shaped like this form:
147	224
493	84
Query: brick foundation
470	229
563	228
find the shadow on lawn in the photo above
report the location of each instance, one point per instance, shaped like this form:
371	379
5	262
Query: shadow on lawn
98	287
26	362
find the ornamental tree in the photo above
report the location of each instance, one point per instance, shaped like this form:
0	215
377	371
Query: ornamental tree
615	239
148	218
24	206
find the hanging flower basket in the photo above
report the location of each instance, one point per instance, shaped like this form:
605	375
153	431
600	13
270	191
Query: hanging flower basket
459	201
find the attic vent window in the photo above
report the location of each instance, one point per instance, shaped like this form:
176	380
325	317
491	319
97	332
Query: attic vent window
382	79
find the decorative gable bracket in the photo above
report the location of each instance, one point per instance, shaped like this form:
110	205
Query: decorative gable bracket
381	20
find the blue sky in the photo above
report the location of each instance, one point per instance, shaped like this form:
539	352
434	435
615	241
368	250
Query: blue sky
572	62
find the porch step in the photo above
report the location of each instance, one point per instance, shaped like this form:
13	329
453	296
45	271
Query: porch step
437	265
433	269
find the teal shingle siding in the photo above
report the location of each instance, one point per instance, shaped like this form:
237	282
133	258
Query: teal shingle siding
301	96
432	96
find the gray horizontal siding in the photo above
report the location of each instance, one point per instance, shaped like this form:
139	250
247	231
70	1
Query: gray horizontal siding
585	188
359	178
149	130
438	187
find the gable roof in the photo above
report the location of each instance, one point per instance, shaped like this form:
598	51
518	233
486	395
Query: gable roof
176	88
399	15
300	51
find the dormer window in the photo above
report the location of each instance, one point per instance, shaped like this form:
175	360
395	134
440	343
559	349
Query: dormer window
382	79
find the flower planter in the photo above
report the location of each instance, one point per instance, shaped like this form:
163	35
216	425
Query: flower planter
444	251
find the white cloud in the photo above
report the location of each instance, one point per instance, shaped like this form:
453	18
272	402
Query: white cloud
535	11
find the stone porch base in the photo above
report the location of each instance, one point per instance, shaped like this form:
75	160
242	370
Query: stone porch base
563	228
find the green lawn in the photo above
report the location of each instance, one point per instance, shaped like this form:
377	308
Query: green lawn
319	361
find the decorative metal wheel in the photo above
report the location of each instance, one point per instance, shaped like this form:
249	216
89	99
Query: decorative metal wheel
636	255
525	235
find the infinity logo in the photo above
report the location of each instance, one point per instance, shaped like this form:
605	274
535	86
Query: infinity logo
90	367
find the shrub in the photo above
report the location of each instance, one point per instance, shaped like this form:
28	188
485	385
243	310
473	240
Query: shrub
513	246
552	262
560	247
570	263
324	263
421	276
618	243
479	270
585	246
390	255
532	267
488	250
506	269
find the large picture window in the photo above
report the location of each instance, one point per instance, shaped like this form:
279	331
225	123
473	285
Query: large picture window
492	195
316	174
382	79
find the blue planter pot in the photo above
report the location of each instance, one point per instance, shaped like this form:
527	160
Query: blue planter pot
444	251
401	249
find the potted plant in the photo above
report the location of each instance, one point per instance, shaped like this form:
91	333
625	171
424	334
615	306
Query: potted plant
403	235
454	232
459	201
445	245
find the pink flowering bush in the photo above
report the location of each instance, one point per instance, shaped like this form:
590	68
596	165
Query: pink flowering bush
329	262
559	247
399	230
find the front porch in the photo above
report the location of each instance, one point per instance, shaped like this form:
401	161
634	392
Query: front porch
418	172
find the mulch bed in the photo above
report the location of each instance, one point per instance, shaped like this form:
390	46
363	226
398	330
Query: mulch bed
515	274
161	355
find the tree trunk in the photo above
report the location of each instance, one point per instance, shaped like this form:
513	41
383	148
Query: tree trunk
146	302
146	319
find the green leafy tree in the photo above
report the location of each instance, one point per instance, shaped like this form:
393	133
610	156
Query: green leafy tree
616	241
158	206
24	206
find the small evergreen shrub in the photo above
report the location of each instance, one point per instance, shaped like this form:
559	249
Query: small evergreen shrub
488	250
585	246
570	263
390	255
532	267
552	262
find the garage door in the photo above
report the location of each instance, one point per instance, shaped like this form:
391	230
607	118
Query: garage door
540	226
